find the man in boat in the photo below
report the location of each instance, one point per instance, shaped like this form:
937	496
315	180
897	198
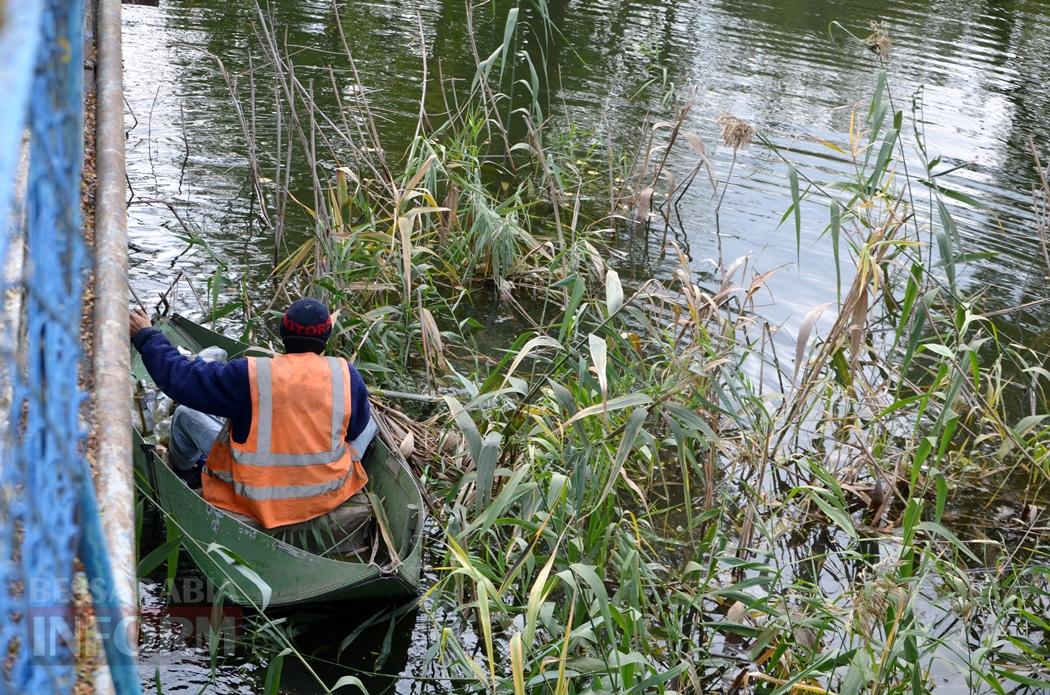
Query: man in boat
279	440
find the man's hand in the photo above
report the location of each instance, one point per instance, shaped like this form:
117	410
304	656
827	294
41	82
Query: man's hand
137	321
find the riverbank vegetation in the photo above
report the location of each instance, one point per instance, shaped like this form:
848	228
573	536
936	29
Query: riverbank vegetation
638	485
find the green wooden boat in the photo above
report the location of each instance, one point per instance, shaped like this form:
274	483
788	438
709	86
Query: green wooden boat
230	552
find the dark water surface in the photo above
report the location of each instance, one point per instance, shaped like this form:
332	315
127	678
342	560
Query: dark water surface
981	67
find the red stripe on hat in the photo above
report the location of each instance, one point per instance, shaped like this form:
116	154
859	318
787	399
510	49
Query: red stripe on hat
312	330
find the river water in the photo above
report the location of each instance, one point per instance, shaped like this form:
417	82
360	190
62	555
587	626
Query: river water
980	65
977	66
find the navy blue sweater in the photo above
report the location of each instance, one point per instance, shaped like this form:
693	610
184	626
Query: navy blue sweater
221	388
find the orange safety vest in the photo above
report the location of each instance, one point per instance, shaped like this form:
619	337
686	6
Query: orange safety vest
295	464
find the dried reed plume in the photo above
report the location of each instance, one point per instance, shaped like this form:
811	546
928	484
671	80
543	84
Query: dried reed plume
879	41
735	132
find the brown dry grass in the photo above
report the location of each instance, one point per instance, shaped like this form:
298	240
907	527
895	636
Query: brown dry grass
879	41
736	132
85	650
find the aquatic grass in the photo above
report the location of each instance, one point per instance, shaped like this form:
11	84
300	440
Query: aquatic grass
889	649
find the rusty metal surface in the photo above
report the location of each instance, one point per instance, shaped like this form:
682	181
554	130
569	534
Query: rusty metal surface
112	358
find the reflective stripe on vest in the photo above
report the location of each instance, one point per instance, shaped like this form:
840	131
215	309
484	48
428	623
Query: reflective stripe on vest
278	493
263	456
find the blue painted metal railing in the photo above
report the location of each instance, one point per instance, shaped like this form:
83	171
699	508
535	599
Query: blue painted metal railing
48	512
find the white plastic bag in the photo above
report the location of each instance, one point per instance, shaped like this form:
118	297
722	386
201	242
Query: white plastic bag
212	354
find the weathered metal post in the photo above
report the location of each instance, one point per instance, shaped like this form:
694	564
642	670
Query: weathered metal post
112	357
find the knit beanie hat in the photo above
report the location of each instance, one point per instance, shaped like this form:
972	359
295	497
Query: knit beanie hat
306	326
